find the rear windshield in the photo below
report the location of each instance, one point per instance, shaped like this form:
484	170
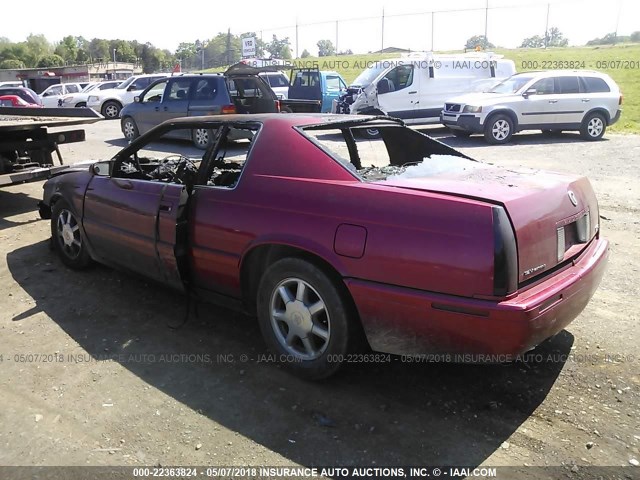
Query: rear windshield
400	151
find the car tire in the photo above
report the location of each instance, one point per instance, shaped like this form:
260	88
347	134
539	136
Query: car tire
593	126
202	138
286	110
68	238
111	110
460	133
129	128
295	299
81	104
498	129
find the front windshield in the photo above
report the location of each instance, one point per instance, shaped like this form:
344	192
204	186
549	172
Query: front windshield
511	84
369	75
90	87
126	83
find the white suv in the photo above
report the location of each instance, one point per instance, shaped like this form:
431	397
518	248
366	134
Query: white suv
110	102
550	101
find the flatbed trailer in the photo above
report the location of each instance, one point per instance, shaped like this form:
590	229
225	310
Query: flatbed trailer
27	146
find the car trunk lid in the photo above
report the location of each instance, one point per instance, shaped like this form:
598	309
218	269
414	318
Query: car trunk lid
554	216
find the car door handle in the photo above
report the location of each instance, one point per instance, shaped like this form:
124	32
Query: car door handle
553	101
166	207
585	100
157	109
125	184
414	91
166	109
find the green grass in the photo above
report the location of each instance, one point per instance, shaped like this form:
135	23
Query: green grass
626	75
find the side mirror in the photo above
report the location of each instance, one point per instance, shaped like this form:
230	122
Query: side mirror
136	99
383	86
531	91
102	169
131	88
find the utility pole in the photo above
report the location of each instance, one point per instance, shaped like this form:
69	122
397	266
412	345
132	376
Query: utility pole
229	46
382	48
297	38
486	23
433	14
546	28
618	18
336	37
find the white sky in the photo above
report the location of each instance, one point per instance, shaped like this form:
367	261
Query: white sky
407	23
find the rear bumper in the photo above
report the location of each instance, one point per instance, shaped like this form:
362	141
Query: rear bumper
469	122
411	322
616	117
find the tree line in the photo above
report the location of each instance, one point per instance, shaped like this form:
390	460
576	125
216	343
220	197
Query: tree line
552	38
223	49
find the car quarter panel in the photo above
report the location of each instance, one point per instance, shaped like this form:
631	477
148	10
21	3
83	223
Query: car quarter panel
414	238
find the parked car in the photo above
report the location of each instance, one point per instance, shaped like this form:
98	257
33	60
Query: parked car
445	255
551	101
80	99
53	94
110	102
24	93
414	88
278	82
312	84
310	90
196	95
16	101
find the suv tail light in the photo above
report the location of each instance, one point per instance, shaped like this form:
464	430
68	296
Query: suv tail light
228	109
277	106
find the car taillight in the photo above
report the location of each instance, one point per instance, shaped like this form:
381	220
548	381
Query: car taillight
505	254
228	109
277	106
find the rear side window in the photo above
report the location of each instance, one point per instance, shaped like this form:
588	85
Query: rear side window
206	89
73	88
595	85
567	85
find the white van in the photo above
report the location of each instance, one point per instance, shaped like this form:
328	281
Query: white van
414	88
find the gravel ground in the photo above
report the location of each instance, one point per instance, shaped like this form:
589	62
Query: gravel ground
92	375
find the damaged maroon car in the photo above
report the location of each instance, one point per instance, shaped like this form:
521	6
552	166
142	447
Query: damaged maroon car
335	242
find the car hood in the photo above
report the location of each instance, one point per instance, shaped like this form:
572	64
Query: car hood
483	99
538	203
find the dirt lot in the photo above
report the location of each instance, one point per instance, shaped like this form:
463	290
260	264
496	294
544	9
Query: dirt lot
90	373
